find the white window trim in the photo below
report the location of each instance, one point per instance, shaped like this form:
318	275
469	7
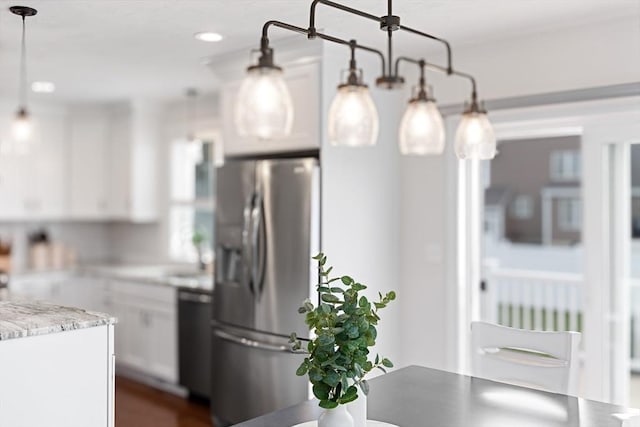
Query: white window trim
569	214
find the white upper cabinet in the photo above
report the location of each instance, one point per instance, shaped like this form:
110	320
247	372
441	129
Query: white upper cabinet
133	157
33	173
89	145
113	163
303	81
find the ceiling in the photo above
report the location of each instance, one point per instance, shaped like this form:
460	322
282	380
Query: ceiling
100	50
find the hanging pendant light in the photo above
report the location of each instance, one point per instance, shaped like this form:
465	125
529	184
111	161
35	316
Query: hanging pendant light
22	126
422	128
475	139
353	117
264	108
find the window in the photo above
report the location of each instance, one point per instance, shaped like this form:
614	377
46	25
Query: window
522	207
565	165
191	202
569	214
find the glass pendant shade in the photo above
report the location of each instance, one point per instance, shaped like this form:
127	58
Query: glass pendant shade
475	138
353	117
264	108
21	127
421	129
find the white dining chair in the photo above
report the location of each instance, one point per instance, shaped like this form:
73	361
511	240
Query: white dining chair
536	359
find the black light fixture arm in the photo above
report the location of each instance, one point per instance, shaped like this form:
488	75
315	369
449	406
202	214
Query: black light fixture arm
388	22
422	63
352	44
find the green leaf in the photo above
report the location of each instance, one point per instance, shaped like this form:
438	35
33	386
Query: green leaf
377	359
328	404
382	369
346	399
315	374
323	289
391	295
386	362
363	301
346	280
302	310
332	378
321	391
340	290
302	369
364	386
318	257
330	298
359	287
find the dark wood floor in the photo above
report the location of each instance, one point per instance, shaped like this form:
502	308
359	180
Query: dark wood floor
138	405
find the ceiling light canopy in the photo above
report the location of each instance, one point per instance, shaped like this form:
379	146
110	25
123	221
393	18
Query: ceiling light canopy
264	108
208	36
43	87
22	122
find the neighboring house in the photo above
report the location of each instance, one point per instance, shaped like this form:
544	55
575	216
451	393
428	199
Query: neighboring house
534	191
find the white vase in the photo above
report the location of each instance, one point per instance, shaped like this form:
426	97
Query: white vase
358	410
336	417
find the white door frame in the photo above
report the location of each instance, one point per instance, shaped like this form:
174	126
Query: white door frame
601	123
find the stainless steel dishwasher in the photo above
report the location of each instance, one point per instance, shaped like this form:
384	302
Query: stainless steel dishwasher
194	358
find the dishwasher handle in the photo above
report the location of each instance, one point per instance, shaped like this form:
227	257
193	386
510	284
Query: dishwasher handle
251	343
194	297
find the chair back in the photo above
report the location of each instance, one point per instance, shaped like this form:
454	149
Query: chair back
541	360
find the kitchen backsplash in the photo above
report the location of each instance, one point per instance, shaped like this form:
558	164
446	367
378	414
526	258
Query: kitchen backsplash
88	241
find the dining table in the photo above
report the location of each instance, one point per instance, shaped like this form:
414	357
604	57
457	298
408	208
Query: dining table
417	396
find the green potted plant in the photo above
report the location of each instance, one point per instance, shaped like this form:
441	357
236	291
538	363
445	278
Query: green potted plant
338	357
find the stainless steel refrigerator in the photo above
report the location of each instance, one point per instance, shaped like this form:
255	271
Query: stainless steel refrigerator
266	229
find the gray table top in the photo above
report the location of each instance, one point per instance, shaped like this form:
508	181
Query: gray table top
423	397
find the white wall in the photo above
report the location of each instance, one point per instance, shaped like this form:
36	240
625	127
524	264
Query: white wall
361	199
573	58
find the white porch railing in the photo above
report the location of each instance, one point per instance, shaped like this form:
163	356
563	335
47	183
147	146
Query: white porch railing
546	301
528	299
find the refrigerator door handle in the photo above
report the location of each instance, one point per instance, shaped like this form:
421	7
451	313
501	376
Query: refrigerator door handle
257	252
246	342
246	243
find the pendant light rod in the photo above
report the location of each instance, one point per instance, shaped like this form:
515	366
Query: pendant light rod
389	23
264	41
23	12
423	63
23	68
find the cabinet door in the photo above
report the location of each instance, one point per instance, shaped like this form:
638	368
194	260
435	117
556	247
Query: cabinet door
119	163
304	85
48	161
88	151
162	345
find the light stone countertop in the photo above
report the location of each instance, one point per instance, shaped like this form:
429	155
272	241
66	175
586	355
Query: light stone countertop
20	319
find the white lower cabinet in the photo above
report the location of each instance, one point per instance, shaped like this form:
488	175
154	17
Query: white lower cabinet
60	379
146	335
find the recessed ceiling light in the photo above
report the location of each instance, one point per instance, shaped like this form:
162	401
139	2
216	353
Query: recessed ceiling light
43	87
208	36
